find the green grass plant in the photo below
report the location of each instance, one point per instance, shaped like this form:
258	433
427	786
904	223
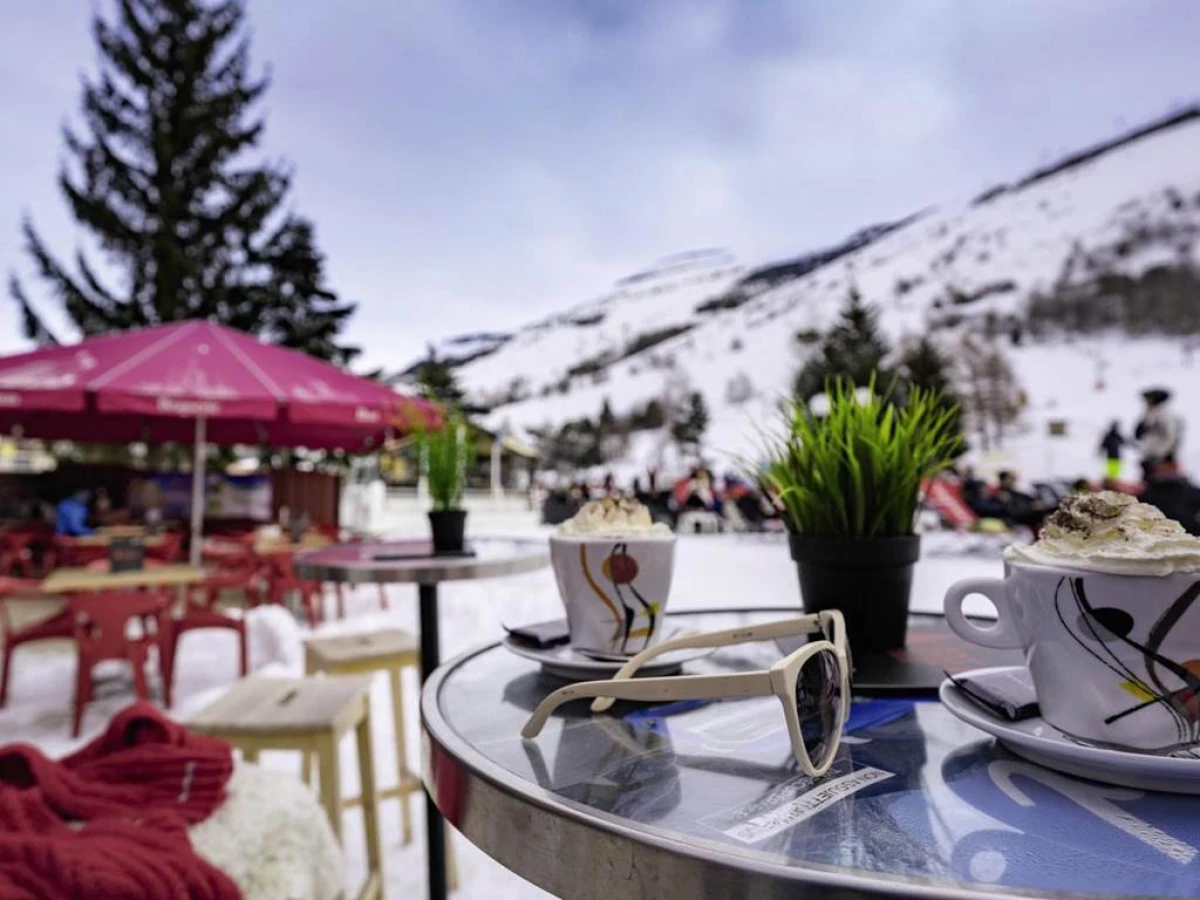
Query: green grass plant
444	458
857	471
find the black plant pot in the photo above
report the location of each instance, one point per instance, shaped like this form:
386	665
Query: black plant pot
448	527
868	579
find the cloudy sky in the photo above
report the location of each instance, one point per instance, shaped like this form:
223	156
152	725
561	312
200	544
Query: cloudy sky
473	164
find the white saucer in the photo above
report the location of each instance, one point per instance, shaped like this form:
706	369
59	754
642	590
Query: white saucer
565	662
1040	742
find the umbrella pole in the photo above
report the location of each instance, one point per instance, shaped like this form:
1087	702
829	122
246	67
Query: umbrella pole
198	461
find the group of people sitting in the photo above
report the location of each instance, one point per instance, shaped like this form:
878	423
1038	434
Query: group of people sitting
732	499
1165	487
1004	501
82	511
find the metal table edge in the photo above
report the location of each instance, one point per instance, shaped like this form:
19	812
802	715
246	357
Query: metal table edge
470	570
438	731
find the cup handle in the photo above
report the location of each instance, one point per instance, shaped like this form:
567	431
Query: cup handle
1001	636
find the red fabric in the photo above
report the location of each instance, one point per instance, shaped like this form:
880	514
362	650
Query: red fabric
143	761
136	788
43	858
152	383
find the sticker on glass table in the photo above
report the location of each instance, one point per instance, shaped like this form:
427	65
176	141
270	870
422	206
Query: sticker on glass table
776	820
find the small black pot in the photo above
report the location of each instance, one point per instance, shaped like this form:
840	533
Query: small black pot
447	527
868	579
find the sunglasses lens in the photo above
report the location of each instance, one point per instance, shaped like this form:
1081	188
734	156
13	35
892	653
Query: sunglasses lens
819	705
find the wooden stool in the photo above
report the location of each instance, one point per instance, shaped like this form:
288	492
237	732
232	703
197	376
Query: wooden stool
310	715
378	651
388	650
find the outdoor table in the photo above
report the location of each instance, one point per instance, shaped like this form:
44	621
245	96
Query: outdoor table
281	545
360	564
122	530
701	799
77	579
102	537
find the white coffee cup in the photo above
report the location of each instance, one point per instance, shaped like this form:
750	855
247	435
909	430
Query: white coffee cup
614	589
1115	659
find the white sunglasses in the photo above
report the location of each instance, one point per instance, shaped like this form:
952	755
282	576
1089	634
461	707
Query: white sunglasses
812	683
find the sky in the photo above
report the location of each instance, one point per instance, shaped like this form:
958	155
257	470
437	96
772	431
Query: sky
475	164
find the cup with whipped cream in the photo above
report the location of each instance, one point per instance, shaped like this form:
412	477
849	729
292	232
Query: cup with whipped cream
613	565
1104	606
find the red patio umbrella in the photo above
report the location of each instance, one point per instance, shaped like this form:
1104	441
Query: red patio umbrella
202	382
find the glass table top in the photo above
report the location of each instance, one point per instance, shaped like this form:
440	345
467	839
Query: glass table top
915	796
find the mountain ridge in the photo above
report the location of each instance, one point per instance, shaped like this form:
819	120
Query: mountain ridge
1103	216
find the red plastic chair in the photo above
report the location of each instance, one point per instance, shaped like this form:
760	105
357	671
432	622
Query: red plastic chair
58	626
335	535
169	550
200	611
16	552
101	623
66	551
283	578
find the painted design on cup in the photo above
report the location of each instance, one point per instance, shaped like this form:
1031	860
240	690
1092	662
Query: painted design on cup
621	571
1096	629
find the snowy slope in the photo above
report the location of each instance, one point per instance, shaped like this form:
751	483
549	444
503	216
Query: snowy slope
541	354
1135	206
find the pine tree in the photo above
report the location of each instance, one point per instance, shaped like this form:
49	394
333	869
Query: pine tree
608	421
164	181
576	445
854	350
924	366
612	432
688	429
648	417
437	381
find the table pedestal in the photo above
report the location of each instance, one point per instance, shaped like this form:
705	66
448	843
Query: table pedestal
435	834
413	562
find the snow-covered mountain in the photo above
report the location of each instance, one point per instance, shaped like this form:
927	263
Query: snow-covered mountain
701	322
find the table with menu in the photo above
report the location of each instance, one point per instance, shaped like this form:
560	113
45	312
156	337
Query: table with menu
704	799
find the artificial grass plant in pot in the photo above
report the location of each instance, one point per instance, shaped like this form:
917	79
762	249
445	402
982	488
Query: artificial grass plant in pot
848	485
444	458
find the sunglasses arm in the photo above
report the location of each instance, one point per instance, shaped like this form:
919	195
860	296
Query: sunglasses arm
679	687
743	635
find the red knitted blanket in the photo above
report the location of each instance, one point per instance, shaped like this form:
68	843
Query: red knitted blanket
135	789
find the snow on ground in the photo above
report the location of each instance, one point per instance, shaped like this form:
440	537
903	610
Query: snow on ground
713	571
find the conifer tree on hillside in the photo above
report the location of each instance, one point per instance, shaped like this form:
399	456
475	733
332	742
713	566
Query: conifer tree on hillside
608	420
164	179
853	350
688	428
436	380
923	365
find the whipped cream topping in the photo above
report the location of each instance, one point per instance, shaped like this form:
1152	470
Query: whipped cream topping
1111	532
611	518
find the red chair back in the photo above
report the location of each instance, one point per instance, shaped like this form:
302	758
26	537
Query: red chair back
283	578
59	625
245	572
15	590
16	551
169	549
69	552
101	633
102	619
223	551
